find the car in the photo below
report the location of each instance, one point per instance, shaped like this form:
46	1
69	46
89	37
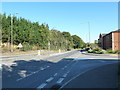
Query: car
68	49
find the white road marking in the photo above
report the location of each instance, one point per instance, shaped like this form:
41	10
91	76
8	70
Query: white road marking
50	79
55	74
19	79
91	58
60	80
43	68
65	75
28	75
68	72
76	59
42	85
102	61
48	66
65	67
74	77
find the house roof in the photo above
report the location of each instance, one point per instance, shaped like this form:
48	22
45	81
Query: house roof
116	30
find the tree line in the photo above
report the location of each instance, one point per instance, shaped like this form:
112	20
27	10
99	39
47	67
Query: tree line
32	34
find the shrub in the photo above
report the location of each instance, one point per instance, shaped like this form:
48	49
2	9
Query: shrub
26	47
117	52
96	50
90	51
111	51
5	49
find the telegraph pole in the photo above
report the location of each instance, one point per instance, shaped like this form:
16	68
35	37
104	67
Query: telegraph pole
89	31
11	45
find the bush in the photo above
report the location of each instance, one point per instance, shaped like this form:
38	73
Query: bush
110	51
96	50
26	47
90	51
5	49
117	52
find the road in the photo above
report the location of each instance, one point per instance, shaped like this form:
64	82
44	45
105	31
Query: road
59	70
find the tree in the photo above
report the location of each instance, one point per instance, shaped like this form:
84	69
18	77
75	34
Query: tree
33	34
78	43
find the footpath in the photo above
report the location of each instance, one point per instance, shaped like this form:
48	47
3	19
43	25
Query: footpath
34	55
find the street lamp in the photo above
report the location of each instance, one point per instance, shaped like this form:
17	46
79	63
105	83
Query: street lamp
88	30
11	49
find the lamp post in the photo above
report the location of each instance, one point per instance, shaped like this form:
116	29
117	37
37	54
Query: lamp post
11	33
88	30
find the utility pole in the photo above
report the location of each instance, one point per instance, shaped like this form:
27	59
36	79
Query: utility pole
11	45
89	31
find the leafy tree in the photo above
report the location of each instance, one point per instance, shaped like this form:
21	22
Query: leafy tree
78	43
33	34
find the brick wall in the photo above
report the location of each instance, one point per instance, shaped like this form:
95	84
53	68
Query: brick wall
116	41
107	41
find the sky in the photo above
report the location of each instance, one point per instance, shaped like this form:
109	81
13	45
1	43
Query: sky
71	17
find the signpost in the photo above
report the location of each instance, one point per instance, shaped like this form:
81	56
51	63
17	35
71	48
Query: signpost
20	45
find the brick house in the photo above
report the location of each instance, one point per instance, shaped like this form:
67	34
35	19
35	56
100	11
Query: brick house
100	40
110	40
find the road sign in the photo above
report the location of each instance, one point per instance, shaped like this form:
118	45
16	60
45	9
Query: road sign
48	43
20	45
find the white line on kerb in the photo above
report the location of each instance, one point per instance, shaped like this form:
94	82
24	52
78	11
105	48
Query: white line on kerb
42	85
50	79
60	80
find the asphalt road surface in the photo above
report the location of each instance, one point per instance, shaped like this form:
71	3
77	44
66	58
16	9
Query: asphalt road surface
65	70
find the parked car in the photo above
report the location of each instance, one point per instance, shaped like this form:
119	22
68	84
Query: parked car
68	49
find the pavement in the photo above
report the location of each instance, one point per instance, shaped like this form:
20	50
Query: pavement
56	70
9	60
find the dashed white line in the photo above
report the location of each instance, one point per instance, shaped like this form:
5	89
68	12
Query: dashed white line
65	75
60	80
65	66
50	79
55	74
42	85
48	66
28	75
19	79
43	68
